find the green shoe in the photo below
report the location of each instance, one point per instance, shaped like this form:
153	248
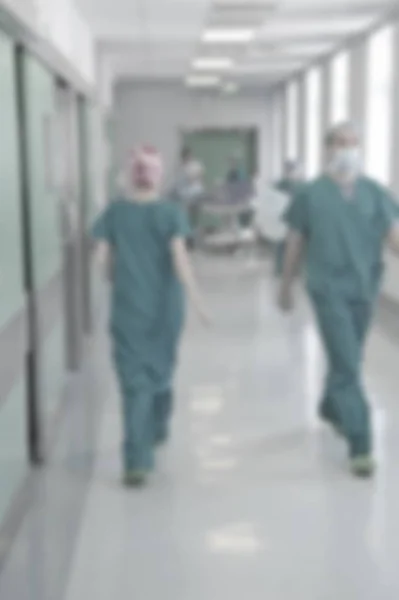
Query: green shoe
363	466
135	479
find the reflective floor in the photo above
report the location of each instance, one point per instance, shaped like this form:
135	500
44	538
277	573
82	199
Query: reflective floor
252	498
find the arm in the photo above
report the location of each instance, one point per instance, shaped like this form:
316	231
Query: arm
390	219
393	238
102	236
293	256
103	257
297	219
184	271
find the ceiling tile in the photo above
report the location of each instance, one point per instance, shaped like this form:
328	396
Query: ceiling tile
163	37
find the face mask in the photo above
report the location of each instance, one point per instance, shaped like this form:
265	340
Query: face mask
346	162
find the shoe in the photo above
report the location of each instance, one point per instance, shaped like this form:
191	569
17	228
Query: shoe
362	466
135	479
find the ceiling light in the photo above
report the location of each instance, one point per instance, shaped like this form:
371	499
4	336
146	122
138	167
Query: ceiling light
211	64
306	48
228	36
202	81
268	68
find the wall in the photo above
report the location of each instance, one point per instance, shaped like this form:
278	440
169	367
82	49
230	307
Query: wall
156	113
391	287
60	23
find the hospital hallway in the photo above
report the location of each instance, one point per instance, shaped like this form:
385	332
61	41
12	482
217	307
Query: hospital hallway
251	499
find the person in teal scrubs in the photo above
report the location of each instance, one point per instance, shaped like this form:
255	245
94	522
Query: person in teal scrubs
341	223
142	239
289	184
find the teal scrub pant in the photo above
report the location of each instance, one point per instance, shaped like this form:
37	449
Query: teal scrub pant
279	258
344	325
146	419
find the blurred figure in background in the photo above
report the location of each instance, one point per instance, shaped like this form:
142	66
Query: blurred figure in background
289	185
236	172
190	188
240	189
342	222
291	179
142	243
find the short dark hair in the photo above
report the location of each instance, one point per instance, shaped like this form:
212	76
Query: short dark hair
331	134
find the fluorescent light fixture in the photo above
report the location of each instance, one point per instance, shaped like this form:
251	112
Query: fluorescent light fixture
228	36
277	30
304	48
268	67
202	81
212	64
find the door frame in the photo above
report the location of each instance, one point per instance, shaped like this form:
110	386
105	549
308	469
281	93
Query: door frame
69	196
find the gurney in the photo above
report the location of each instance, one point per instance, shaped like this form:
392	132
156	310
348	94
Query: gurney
225	221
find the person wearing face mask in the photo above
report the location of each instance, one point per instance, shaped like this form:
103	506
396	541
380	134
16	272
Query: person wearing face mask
341	223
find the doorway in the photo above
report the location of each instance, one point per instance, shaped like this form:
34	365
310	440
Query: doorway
215	149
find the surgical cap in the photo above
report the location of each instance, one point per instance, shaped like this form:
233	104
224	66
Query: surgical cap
146	168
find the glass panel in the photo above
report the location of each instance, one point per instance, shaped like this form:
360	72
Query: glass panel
85	152
313	122
340	67
11	275
292	120
277	135
44	203
13	444
53	359
45	218
13	460
378	149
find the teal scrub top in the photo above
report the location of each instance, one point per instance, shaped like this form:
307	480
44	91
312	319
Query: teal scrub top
345	235
146	291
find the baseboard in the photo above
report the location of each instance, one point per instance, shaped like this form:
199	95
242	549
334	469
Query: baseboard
16	513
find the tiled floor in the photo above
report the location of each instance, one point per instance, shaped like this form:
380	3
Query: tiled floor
252	498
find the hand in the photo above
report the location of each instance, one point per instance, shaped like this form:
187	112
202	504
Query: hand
286	299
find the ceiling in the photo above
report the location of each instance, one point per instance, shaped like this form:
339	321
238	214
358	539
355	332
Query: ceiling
248	42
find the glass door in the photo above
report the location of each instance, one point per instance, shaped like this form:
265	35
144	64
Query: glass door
43	231
13	305
86	201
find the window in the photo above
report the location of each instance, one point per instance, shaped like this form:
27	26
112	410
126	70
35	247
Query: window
313	133
292	120
339	105
378	146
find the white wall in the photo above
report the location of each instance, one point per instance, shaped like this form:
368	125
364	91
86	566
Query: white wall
156	113
391	286
60	23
